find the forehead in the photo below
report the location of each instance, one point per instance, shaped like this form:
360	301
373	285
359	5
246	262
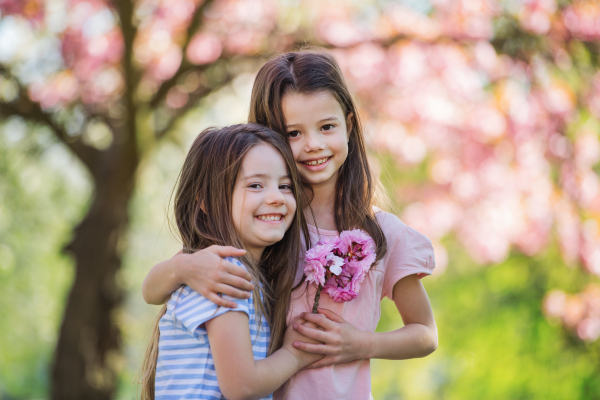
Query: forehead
301	107
263	159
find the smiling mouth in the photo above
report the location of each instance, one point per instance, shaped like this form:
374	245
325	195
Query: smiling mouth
316	162
270	217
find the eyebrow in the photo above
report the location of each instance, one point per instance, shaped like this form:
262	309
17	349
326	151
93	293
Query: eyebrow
323	120
264	176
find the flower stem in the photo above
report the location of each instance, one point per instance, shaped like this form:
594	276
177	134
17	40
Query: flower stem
317	297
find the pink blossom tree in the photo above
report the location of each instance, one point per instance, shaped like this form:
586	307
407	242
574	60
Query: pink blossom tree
499	102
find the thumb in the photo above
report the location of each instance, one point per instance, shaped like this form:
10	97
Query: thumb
225	251
331	315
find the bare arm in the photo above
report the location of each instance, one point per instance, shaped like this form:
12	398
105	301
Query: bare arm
344	343
238	374
418	337
204	271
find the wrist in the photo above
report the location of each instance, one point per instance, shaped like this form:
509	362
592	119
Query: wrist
368	344
294	356
179	269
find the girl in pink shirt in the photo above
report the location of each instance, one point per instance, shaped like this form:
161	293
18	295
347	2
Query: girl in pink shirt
303	96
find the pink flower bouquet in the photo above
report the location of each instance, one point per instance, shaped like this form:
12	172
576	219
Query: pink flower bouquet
339	265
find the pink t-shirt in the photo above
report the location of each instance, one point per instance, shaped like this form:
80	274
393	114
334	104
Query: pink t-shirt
409	252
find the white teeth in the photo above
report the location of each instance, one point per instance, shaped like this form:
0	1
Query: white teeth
317	162
269	217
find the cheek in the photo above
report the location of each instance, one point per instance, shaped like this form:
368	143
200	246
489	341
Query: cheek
237	209
341	144
296	147
290	201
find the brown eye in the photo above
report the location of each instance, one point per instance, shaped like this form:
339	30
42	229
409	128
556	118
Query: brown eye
294	134
327	127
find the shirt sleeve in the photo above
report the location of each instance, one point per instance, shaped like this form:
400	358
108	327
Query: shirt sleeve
409	252
191	309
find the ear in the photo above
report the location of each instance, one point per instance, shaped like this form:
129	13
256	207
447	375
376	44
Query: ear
349	124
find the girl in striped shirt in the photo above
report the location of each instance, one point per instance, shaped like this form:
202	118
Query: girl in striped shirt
238	187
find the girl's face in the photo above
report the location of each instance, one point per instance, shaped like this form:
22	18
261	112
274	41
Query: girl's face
263	204
318	133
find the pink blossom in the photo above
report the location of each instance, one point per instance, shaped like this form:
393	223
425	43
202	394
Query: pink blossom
316	261
335	263
358	246
315	272
340	264
319	252
358	269
340	294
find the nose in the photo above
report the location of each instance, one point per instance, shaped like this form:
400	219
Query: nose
314	142
275	197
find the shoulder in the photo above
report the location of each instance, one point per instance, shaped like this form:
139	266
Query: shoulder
398	233
409	252
186	298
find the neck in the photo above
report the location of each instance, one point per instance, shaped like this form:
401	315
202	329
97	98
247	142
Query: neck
322	206
255	253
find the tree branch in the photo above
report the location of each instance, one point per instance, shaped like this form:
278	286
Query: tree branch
193	27
32	111
129	31
195	98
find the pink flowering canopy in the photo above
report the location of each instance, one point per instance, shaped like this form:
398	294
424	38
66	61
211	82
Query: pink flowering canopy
507	134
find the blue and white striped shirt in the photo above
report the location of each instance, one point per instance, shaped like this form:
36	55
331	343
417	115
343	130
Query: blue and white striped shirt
185	367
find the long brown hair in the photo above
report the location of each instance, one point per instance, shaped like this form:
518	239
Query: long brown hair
202	205
310	71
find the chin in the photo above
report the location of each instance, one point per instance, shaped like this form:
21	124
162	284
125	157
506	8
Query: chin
317	180
275	240
271	240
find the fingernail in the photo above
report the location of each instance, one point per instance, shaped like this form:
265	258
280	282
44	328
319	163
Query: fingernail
295	344
295	326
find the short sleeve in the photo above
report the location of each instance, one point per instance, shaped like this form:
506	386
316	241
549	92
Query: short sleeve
191	309
409	252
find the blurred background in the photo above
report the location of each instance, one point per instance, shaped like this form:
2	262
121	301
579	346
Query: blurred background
483	120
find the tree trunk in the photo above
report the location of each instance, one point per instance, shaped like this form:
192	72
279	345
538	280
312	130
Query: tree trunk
89	342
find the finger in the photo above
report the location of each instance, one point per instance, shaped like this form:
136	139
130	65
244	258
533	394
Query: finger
226	251
319	319
313	348
331	315
231	291
237	282
298	321
323	362
311	333
311	325
221	302
237	270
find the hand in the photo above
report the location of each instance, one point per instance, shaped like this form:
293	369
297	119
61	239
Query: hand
292	337
209	274
342	342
